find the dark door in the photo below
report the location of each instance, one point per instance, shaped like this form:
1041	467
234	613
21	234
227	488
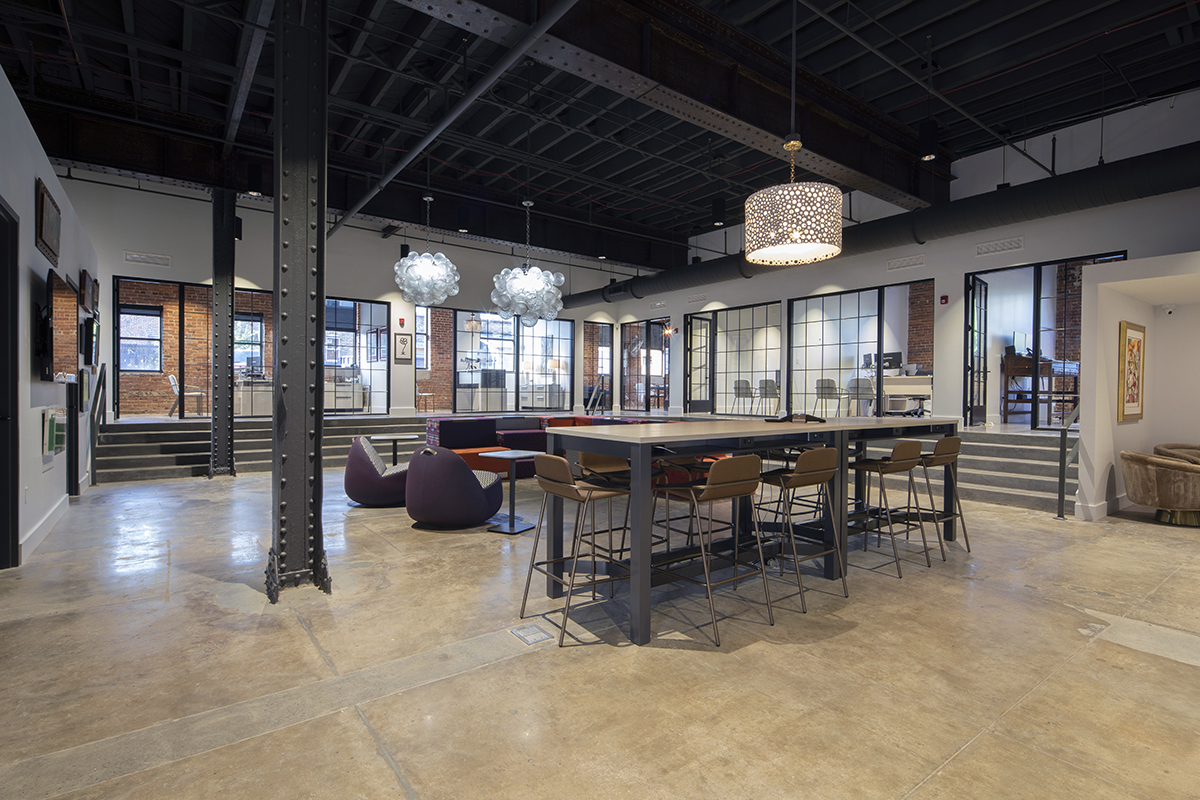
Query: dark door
10	552
975	410
699	378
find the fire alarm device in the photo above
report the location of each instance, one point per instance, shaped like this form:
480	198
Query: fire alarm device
945	299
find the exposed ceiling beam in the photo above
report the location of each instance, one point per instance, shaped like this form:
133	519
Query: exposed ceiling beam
678	58
258	14
135	67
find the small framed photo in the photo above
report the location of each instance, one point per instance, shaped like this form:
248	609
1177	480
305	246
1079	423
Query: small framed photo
403	352
48	223
89	292
1131	369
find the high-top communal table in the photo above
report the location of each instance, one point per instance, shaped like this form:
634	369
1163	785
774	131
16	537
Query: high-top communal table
643	443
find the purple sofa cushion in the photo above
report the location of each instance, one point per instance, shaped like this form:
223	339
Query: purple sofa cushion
369	481
443	491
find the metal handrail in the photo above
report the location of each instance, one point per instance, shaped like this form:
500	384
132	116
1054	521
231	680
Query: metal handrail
1065	458
98	414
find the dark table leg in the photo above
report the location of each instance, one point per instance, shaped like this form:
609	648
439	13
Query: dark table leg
395	452
641	522
949	476
839	489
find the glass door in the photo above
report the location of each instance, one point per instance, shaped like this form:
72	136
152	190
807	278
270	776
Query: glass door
645	359
699	332
975	397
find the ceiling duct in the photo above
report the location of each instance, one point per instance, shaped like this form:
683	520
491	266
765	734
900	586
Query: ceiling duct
1171	170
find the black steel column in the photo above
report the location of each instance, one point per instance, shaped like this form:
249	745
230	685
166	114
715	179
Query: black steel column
224	208
298	548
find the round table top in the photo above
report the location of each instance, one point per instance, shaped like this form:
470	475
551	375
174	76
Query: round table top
511	455
394	437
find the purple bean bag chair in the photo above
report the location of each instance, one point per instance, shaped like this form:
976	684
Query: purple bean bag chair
369	481
445	492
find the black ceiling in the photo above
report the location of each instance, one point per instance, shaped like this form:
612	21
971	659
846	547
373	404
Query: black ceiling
624	126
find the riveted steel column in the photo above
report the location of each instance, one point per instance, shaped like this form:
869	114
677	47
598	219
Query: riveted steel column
298	548
224	206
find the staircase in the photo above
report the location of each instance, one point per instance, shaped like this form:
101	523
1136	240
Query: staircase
1006	469
133	451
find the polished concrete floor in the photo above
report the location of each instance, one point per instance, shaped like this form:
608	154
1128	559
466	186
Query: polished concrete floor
141	659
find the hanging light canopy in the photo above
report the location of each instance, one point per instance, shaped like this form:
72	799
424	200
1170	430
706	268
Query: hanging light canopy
795	223
528	292
426	279
472	325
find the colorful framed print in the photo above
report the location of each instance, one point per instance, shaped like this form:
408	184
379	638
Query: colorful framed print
1131	372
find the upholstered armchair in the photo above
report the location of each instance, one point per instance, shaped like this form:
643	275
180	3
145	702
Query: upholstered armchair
370	482
1171	485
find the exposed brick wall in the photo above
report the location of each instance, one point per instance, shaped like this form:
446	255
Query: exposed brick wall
441	360
66	330
263	303
920	324
150	392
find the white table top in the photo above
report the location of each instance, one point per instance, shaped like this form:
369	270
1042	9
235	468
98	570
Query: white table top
510	455
682	432
395	437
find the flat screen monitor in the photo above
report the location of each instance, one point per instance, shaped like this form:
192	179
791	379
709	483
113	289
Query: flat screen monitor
868	360
892	361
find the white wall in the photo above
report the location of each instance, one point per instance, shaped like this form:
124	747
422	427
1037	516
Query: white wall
1170	389
43	480
165	220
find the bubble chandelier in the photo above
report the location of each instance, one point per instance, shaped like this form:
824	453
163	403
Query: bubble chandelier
528	292
795	223
426	279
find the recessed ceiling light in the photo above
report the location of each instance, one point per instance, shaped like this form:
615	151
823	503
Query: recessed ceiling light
462	230
601	257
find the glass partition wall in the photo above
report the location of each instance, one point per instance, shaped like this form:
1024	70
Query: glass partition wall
747	347
173	323
496	370
863	353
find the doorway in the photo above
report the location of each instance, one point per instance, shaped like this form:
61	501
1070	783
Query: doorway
10	547
1021	348
646	358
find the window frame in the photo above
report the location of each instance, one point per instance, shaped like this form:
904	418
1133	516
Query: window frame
134	309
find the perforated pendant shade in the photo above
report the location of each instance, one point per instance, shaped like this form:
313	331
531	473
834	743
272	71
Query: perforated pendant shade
794	223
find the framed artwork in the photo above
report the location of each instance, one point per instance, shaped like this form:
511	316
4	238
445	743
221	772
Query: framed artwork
89	292
404	348
1131	369
48	223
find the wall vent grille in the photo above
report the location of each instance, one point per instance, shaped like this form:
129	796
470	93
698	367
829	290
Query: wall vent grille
697	298
1000	246
147	259
907	262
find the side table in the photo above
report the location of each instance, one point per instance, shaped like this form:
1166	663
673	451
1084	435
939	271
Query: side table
395	439
514	524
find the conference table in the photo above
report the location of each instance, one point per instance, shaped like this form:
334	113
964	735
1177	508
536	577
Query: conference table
643	443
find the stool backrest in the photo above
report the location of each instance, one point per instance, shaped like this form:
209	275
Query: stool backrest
741	388
555	477
768	388
861	387
594	462
813	467
827	388
905	455
737	476
945	451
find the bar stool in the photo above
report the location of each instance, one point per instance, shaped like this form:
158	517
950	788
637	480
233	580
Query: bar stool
813	468
905	457
555	477
945	453
728	479
742	392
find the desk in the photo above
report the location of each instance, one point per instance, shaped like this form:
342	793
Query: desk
640	443
909	387
1016	371
512	457
395	439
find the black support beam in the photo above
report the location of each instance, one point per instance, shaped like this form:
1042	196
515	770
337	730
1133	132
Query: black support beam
298	546
224	222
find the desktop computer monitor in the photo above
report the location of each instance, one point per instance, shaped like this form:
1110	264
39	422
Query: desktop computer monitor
892	361
868	360
253	365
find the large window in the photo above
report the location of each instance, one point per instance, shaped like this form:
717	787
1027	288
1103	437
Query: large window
747	348
248	344
340	333
421	340
141	338
546	365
